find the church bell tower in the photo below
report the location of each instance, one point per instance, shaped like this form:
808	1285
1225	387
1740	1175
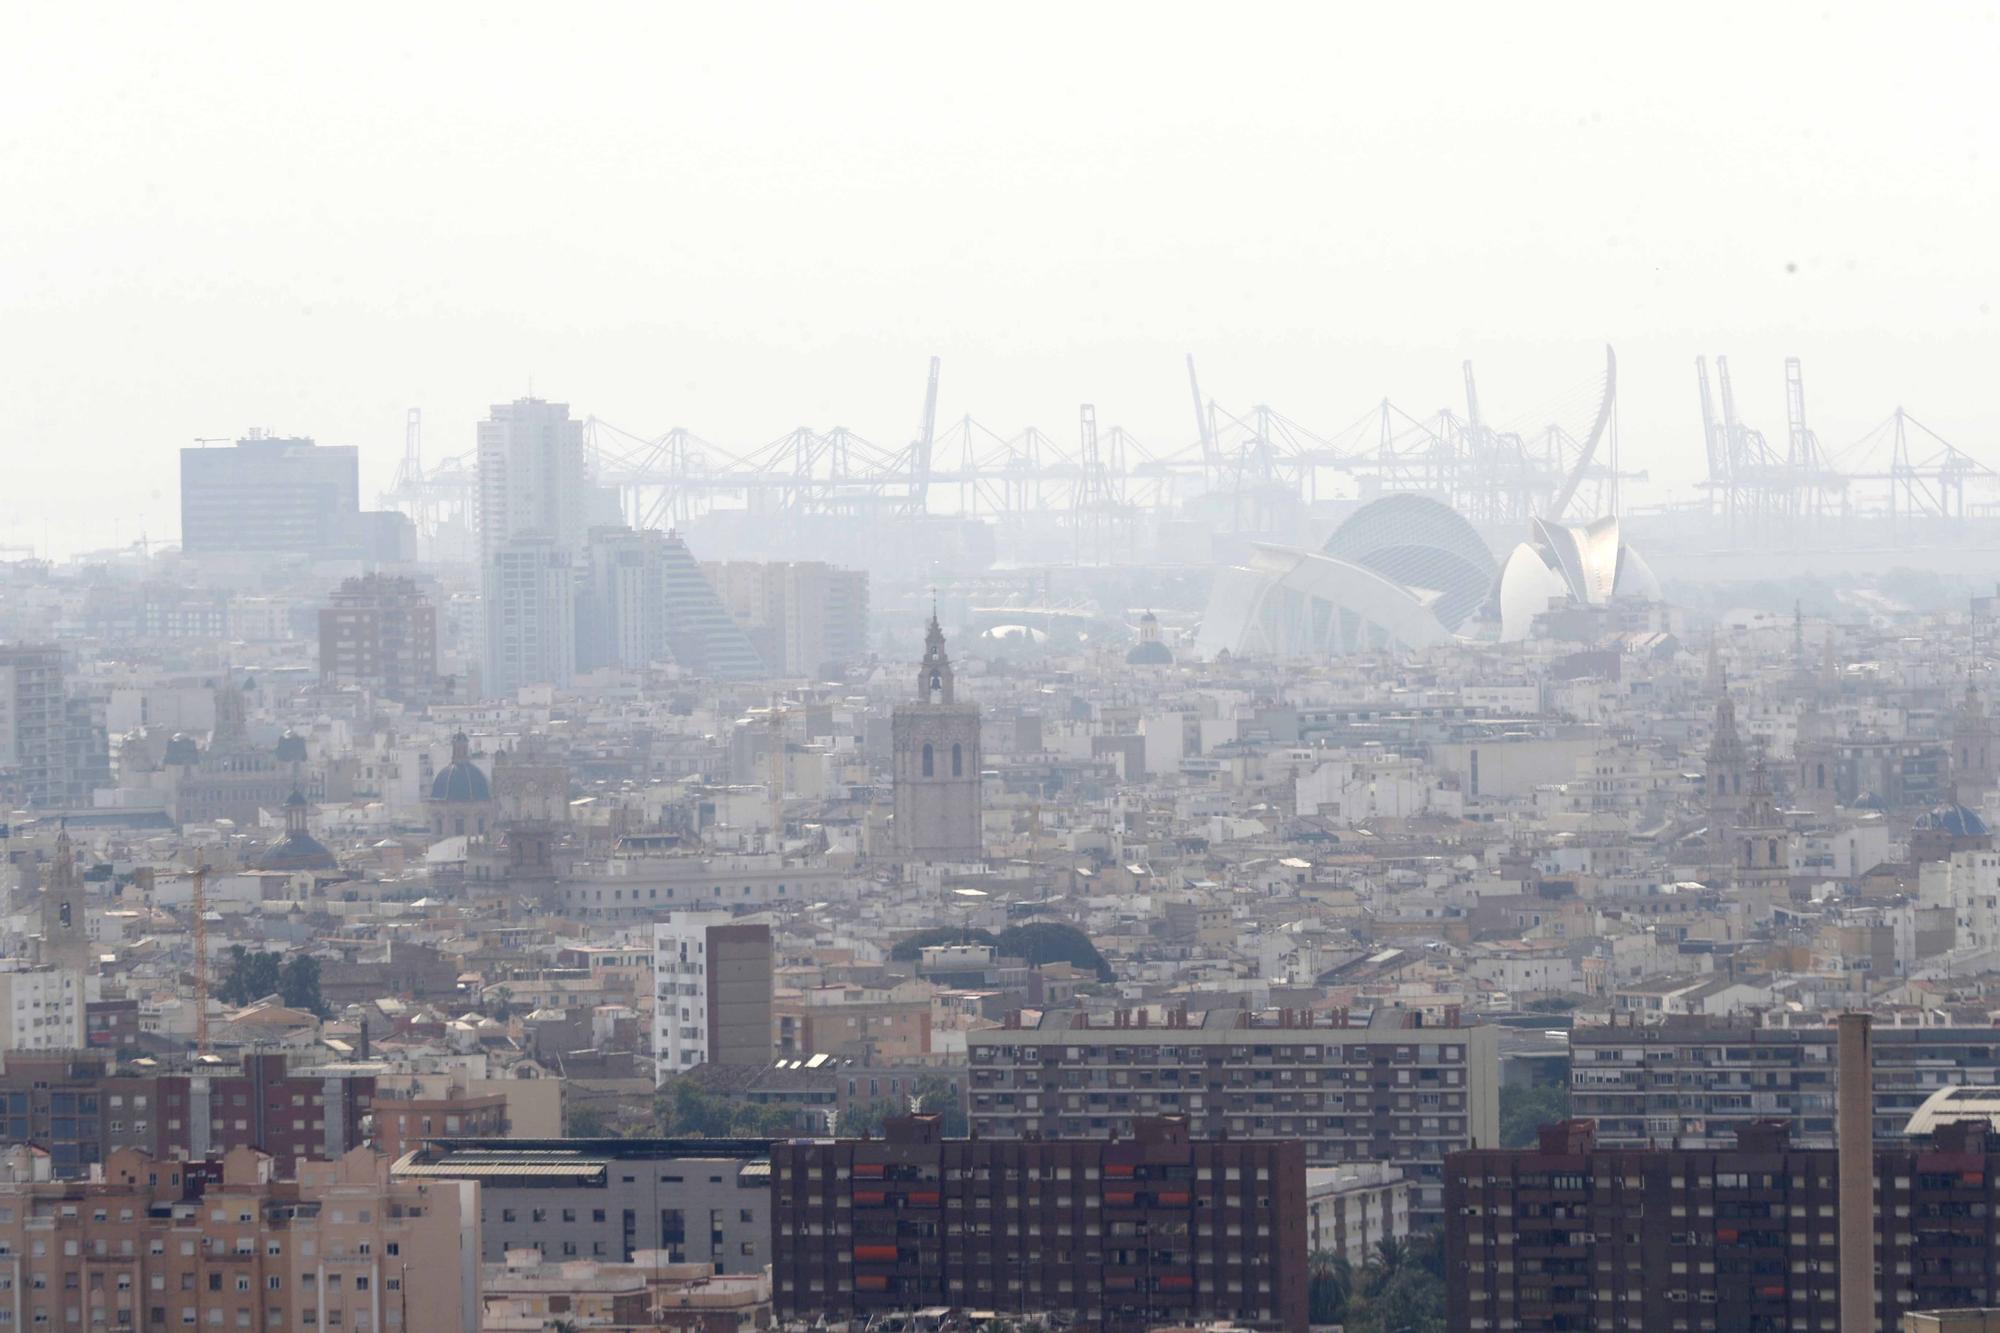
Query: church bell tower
936	761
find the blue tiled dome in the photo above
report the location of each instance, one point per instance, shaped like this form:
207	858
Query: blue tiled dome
460	782
1955	820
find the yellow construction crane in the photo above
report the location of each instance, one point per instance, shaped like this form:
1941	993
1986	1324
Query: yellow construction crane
198	904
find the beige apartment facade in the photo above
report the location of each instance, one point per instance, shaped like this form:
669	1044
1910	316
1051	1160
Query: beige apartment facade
178	1247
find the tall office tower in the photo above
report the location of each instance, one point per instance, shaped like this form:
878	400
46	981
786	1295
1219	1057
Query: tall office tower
270	494
34	725
530	595
622	607
712	992
533	505
531	475
935	740
380	633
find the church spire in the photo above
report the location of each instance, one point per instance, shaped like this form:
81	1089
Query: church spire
934	683
62	870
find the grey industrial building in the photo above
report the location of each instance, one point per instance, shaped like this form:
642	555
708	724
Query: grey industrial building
701	1200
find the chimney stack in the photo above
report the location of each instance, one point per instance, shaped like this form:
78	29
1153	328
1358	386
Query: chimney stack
1855	1127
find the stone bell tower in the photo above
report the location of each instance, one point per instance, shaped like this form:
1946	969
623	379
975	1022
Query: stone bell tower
936	765
65	932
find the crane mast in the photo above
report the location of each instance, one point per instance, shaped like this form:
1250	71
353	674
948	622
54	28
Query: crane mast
1204	425
198	904
920	452
1711	430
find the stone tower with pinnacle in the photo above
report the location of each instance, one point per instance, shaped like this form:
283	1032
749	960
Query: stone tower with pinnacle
935	764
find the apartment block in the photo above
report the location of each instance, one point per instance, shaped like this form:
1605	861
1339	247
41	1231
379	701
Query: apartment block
712	992
73	1105
530	605
1156	1229
1352	1210
1571	1234
799	615
1700	1080
34	726
159	1246
381	634
703	1201
1393	1091
41	1009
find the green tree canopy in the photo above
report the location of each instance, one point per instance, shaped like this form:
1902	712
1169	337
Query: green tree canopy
934	1096
298	984
1038	942
251	976
1052	942
1525	1109
685	1109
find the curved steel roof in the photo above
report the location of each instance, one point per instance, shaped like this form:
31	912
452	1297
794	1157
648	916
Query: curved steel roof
1420	544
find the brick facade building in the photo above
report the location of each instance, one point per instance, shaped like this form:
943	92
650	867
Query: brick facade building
1568	1235
76	1108
1155	1229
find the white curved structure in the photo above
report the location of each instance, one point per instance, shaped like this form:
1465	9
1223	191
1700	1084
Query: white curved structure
1288	603
1585	563
1528	584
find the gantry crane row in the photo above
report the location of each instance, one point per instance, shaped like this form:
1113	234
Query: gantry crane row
1931	485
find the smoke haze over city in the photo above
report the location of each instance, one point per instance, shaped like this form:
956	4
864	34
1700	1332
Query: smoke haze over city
743	219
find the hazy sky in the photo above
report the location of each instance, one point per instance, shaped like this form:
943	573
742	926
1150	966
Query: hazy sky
741	218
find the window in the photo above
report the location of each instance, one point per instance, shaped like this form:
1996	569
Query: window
957	760
930	763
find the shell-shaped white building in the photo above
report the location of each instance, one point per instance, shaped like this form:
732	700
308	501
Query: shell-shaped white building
1407	572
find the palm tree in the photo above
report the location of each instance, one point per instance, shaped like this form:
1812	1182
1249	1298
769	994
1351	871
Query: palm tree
1329	1286
1392	1255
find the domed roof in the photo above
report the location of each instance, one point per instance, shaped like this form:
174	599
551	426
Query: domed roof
1956	820
1151	652
461	782
182	750
297	851
291	748
1419	543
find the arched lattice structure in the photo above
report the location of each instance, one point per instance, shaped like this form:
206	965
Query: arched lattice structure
1424	546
